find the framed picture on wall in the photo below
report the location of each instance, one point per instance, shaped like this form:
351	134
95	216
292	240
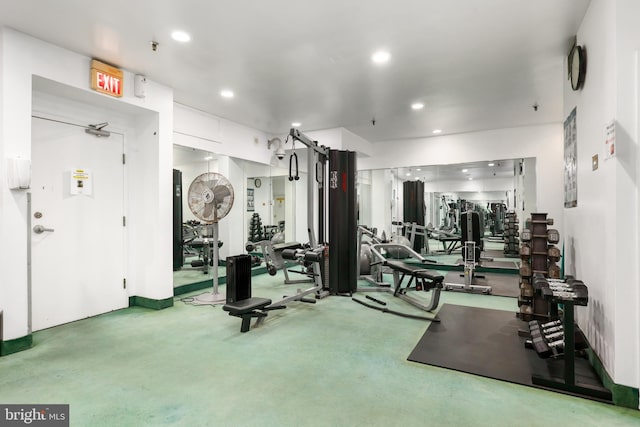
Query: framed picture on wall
570	161
250	206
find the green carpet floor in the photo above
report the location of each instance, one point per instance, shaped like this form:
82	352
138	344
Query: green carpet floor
334	363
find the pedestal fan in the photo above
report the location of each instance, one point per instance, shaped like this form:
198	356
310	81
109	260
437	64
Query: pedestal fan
210	198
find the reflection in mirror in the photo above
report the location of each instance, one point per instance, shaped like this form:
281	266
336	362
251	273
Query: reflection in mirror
193	251
258	189
259	201
489	188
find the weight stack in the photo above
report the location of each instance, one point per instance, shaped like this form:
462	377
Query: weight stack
414	208
238	278
343	256
178	253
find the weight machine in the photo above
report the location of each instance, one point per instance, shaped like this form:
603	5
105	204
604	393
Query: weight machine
369	269
422	279
273	258
246	307
316	162
471	250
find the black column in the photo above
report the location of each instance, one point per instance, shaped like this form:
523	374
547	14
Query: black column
178	255
343	257
414	208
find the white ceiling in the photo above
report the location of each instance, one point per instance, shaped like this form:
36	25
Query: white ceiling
475	64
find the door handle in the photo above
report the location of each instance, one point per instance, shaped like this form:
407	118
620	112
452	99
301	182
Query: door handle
38	229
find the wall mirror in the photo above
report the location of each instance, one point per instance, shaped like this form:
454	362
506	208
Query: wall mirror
264	207
491	188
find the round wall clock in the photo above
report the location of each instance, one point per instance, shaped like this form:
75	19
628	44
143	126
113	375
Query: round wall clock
577	66
257	182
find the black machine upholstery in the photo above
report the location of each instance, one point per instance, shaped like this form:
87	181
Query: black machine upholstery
240	303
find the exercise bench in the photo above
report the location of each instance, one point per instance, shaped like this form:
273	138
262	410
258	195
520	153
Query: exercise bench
248	308
425	279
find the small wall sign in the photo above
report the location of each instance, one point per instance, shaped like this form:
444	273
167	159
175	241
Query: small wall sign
610	140
81	182
106	78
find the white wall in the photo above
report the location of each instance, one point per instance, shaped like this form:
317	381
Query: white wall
381	201
262	200
353	142
530	192
21	58
627	336
364	199
602	231
233	226
197	129
150	208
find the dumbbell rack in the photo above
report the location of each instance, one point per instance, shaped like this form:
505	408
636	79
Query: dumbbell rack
569	295
511	241
256	232
538	256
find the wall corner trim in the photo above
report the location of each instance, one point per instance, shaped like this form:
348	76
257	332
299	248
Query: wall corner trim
16	345
623	395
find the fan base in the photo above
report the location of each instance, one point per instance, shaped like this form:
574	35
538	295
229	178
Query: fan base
210	298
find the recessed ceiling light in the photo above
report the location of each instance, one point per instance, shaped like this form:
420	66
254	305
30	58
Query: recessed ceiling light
437	131
296	124
417	106
465	170
209	158
470	179
226	93
180	36
418	169
491	164
408	173
381	57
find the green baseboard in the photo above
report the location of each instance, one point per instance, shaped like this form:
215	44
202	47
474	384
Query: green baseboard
622	395
154	304
196	286
16	345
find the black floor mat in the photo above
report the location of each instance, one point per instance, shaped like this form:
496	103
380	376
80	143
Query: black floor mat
485	342
504	285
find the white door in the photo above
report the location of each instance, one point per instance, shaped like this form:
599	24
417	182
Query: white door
76	191
278	209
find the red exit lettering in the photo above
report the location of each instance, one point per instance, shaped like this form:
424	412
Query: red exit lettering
109	83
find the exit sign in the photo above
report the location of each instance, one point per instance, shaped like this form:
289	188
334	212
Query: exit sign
106	78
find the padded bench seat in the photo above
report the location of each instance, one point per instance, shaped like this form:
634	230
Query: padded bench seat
414	270
424	280
247	309
246	305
